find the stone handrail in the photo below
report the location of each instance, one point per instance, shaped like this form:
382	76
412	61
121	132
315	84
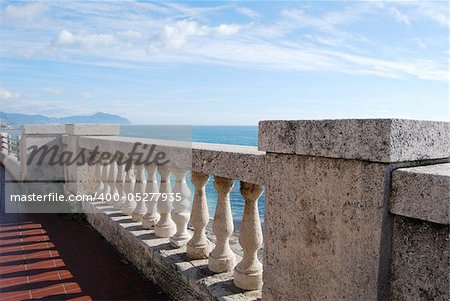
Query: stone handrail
170	218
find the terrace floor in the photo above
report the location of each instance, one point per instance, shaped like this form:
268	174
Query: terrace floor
54	257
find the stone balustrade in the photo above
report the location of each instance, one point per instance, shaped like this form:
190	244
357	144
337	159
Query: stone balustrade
169	217
355	209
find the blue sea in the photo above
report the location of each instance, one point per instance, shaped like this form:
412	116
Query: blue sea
240	135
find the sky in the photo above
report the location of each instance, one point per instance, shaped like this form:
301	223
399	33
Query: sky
226	63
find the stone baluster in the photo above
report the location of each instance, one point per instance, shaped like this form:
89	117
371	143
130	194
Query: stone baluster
222	258
199	246
130	181
151	217
98	177
139	190
165	226
180	214
105	177
5	143
112	183
248	272
120	185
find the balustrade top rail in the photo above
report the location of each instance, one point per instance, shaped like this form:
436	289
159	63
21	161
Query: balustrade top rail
243	163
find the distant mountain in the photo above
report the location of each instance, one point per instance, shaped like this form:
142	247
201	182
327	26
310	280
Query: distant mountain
13	118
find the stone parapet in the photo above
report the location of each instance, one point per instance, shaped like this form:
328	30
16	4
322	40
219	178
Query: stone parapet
377	140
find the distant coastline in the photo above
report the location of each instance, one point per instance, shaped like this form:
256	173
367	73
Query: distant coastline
13	119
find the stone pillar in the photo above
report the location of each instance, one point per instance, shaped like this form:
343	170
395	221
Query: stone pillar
98	177
48	137
151	217
327	230
199	246
81	176
222	259
139	190
120	185
165	226
180	213
248	273
105	178
130	181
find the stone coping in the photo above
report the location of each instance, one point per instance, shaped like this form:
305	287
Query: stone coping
93	129
237	162
377	140
42	129
168	267
422	192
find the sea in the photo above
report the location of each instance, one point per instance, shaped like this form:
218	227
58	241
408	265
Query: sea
238	135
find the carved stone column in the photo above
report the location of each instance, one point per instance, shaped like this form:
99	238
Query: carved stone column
165	226
151	217
105	177
199	246
98	177
112	175
120	185
180	214
130	181
248	272
139	191
222	258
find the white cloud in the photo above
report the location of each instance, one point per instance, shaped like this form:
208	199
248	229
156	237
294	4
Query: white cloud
436	11
177	34
399	16
68	39
7	94
53	90
228	29
297	39
248	12
27	11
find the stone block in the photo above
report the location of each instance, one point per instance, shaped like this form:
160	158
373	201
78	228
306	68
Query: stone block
377	140
422	192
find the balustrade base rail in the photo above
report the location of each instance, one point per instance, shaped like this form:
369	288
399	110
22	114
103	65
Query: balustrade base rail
179	277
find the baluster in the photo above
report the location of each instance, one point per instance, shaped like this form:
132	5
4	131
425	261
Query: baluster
222	258
151	217
199	246
98	177
248	272
139	191
165	226
112	183
180	215
120	185
105	178
130	181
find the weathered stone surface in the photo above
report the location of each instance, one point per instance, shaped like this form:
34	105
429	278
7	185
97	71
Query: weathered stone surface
420	260
169	267
237	162
243	163
323	228
42	129
378	140
89	129
422	192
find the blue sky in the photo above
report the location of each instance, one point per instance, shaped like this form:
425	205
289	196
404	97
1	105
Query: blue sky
213	62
